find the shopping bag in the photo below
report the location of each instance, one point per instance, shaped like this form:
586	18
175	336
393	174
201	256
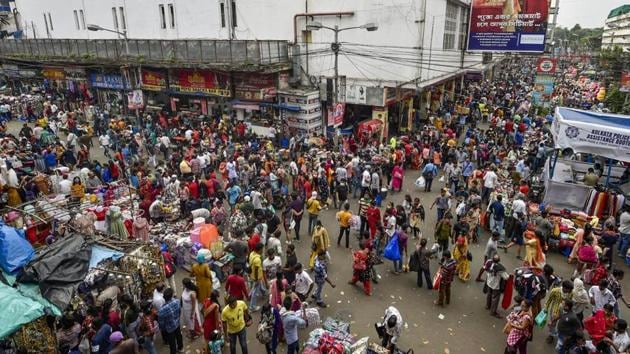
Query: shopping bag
392	251
437	280
541	318
441	179
421	182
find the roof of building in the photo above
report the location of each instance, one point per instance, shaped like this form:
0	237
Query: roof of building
623	9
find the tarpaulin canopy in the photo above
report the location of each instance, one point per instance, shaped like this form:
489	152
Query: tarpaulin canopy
100	253
587	132
59	269
17	310
15	250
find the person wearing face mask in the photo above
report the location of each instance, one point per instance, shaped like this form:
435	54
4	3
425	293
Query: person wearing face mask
495	283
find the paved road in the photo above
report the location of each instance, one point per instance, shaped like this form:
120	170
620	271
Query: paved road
466	326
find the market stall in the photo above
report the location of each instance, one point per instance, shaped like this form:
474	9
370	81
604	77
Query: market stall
586	132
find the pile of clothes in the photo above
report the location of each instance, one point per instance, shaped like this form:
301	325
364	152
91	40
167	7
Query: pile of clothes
333	338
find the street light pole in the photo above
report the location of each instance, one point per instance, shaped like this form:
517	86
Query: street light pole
335	49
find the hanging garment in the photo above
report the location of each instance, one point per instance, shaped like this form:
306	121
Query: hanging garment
115	223
141	229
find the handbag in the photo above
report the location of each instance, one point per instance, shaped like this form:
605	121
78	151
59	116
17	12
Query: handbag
392	250
541	318
248	319
380	329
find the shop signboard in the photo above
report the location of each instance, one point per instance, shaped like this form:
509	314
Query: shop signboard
135	99
54	73
153	80
201	81
28	73
107	81
10	70
624	85
254	87
335	115
546	66
356	94
76	74
508	25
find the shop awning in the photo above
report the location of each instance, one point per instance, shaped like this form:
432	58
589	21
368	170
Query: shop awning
587	132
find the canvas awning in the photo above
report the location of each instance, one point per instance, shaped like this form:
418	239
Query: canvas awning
587	132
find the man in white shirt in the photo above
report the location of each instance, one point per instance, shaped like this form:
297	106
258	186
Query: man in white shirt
65	185
231	168
392	328
158	297
490	181
375	184
365	181
303	283
621	340
519	206
341	173
600	295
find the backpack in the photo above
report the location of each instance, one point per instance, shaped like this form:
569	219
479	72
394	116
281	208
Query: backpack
169	269
264	332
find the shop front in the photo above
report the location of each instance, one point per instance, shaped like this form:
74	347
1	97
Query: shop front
109	90
199	91
400	111
254	94
153	85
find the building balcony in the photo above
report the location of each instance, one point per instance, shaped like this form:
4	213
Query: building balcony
241	55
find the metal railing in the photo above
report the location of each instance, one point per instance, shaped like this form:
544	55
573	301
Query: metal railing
200	51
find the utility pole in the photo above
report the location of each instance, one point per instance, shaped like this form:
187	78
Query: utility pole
556	9
335	48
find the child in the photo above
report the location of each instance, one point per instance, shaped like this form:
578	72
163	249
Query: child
216	342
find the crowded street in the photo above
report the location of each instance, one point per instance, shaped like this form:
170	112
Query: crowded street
172	187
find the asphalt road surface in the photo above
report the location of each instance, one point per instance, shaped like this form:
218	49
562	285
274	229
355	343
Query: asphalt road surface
462	327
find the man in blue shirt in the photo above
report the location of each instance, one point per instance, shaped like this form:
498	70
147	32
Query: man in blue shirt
291	322
497	210
168	318
100	341
320	272
429	172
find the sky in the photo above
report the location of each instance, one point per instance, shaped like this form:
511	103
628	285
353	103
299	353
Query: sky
588	13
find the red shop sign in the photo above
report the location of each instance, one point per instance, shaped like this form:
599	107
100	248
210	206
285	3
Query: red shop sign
201	81
153	80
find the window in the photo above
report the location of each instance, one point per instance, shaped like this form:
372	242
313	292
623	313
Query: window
123	20
115	18
50	22
450	26
307	37
222	10
233	13
463	29
171	14
162	17
46	23
76	19
82	17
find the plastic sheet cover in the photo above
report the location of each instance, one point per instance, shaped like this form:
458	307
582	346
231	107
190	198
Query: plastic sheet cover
59	269
17	310
15	250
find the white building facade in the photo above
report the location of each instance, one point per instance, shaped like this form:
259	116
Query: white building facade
418	49
617	29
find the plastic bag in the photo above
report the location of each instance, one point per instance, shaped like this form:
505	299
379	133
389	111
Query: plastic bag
541	318
392	251
441	179
421	182
437	280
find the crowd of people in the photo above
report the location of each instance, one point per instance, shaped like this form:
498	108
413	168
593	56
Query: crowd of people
479	150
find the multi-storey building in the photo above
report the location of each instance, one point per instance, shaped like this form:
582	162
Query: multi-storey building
393	58
617	28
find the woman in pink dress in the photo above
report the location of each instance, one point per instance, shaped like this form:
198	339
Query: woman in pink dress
278	288
397	177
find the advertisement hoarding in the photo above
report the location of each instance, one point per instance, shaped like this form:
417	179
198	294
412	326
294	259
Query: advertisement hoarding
508	26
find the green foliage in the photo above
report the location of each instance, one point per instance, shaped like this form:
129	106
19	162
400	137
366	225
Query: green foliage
617	101
580	39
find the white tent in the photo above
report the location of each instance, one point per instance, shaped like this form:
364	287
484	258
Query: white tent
587	132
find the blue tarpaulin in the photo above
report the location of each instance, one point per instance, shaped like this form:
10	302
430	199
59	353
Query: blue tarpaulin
15	250
100	253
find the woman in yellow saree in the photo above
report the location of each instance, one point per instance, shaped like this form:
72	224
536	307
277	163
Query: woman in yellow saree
460	254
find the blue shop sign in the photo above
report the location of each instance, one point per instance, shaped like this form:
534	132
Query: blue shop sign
108	81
